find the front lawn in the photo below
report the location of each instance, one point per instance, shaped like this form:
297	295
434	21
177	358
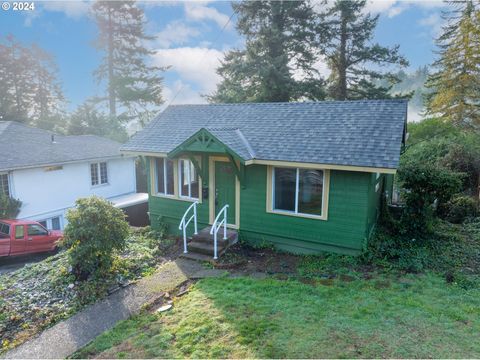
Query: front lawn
389	316
41	294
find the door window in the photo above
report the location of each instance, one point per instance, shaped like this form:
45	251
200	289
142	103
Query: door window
19	232
36	230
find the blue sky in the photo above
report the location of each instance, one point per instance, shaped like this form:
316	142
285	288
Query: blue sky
191	41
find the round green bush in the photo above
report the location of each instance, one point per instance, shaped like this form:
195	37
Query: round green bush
95	230
460	208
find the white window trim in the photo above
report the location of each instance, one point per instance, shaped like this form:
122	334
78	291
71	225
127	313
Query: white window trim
97	164
48	222
271	194
8	183
189	196
377	182
155	179
176	181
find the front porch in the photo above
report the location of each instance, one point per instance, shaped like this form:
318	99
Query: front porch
201	246
208	174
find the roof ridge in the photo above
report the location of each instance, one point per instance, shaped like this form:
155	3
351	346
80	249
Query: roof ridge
316	102
18	123
250	150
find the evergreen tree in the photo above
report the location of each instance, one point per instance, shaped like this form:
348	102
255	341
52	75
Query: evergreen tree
88	120
133	87
30	91
277	62
345	34
17	91
456	83
47	112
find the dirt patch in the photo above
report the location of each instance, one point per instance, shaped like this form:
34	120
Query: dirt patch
250	260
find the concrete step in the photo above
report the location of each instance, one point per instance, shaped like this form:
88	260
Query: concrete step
196	256
205	237
204	248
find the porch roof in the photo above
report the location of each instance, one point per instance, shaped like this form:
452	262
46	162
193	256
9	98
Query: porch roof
350	133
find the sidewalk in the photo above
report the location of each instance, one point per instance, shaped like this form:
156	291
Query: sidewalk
66	337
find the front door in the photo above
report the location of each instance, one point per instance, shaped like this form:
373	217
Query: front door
225	181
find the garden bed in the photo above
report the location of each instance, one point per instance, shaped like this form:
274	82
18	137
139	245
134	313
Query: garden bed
39	295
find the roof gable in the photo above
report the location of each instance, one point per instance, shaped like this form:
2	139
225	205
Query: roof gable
353	133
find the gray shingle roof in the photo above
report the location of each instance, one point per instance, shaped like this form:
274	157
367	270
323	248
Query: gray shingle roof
356	133
23	146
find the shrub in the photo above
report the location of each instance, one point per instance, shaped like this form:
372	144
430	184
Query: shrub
423	184
9	207
460	208
95	230
395	250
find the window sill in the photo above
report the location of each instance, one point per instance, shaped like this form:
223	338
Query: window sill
174	197
189	199
306	216
99	185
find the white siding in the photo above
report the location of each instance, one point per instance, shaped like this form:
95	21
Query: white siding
46	194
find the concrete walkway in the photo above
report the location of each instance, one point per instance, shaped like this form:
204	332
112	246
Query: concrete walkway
66	337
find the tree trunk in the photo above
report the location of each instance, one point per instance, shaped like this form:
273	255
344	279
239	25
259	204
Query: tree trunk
111	89
342	63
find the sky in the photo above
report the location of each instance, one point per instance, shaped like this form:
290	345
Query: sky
191	38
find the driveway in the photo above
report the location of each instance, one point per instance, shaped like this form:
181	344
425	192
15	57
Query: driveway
14	263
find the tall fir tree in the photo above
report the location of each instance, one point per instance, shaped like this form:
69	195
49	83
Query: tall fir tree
133	87
47	112
277	63
345	34
30	92
455	84
88	120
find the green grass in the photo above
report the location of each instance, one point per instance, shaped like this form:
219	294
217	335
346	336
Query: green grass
414	316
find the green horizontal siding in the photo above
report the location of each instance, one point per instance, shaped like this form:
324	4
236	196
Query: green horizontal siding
345	231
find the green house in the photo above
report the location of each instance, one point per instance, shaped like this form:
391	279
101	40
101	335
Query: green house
306	177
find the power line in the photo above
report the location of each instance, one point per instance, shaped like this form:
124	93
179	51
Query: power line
205	54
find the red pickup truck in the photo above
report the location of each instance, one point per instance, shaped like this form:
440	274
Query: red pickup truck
20	237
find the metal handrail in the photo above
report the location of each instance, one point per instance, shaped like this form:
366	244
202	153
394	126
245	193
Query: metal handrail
216	226
183	225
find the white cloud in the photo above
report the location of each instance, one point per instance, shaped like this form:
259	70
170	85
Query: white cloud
393	8
192	64
176	33
434	23
73	9
182	93
199	11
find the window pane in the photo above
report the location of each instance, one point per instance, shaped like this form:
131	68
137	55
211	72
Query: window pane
19	231
187	172
184	165
4	229
43	223
310	192
56	223
170	182
4	184
160	176
284	189
103	173
94	174
194	181
36	230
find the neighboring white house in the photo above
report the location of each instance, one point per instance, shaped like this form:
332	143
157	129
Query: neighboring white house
48	172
